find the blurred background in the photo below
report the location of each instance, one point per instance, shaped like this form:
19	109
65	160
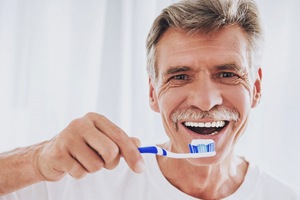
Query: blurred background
60	59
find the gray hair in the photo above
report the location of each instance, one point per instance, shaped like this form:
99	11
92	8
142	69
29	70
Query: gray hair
207	16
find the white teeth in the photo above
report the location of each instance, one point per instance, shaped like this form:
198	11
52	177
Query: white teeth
214	133
216	124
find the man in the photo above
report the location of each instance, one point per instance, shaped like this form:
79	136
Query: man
203	71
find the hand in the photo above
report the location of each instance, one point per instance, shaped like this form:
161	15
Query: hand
87	145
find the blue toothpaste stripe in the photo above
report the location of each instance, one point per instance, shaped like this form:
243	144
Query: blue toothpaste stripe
202	148
191	148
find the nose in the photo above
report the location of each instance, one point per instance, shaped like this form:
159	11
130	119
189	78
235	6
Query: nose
204	94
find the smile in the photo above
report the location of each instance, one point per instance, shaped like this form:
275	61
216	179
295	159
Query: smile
206	128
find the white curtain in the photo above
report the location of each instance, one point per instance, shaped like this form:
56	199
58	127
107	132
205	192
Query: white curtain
60	59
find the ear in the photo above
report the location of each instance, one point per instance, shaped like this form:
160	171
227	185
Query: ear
257	89
152	96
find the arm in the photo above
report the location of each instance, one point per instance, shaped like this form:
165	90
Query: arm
87	145
17	169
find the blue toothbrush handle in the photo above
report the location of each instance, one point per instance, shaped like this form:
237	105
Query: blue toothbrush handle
150	149
153	150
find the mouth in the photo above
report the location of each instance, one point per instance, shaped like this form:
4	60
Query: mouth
206	128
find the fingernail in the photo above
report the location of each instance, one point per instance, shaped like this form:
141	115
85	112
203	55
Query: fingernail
139	166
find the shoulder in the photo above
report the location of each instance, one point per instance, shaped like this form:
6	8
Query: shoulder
276	188
266	186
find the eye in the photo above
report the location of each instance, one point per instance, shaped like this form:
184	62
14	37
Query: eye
180	77
227	75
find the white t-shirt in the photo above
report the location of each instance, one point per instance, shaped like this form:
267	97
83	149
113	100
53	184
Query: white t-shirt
123	184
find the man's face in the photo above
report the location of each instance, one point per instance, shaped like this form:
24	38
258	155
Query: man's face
204	80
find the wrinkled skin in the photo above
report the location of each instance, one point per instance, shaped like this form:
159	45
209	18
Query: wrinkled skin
204	72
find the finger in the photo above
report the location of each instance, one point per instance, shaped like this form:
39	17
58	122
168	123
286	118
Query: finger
127	147
136	141
69	165
76	170
104	147
87	157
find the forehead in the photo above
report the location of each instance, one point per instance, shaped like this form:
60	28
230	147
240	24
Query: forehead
178	48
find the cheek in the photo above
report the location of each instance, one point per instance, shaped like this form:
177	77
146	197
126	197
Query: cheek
239	97
242	102
247	85
169	98
242	89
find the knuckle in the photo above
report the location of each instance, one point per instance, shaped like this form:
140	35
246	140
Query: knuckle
112	151
90	114
96	167
94	116
112	165
77	126
75	123
77	172
111	156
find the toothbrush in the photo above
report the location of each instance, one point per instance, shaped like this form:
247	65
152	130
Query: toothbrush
199	148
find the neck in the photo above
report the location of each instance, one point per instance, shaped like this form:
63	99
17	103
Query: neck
206	182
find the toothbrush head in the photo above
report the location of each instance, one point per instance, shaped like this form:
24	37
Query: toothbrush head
202	146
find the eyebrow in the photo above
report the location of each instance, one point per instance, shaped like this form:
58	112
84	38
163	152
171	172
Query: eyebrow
231	66
177	69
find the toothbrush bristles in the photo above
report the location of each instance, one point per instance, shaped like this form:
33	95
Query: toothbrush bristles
202	148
